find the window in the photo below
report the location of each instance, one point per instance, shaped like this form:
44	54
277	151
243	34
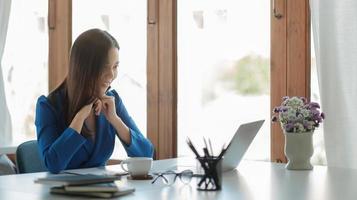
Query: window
25	64
126	21
290	61
223	72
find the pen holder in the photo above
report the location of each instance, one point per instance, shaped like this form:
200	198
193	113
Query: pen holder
212	178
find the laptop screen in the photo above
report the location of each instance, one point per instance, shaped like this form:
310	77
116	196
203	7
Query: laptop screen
240	143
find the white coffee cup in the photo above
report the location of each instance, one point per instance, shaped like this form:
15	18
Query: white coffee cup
137	165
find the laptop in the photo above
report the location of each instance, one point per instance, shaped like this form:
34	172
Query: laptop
239	144
236	149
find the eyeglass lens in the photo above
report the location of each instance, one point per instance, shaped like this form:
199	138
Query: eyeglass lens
186	176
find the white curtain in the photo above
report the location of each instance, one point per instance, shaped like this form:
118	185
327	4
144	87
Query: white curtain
5	120
335	35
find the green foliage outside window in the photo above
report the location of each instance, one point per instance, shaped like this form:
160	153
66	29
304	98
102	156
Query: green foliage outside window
249	76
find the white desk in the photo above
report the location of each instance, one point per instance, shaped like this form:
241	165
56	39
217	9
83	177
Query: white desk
254	180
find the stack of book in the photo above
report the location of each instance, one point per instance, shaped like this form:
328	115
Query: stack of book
90	185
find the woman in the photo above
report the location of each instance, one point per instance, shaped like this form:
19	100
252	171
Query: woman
77	123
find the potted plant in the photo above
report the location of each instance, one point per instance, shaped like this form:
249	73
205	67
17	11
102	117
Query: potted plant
298	119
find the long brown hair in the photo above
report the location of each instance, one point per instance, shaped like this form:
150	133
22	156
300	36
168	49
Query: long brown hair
88	56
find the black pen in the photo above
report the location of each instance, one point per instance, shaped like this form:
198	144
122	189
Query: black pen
206	146
205	150
192	147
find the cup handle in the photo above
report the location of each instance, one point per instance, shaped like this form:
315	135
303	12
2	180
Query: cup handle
122	165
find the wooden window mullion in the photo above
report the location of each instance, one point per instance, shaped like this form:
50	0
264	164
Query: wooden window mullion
60	40
290	61
162	77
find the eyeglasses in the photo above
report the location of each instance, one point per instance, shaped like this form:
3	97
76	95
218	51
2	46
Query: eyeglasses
169	177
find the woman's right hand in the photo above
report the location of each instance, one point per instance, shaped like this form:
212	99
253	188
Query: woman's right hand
83	113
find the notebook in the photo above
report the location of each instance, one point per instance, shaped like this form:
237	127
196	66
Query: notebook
83	179
122	190
98	187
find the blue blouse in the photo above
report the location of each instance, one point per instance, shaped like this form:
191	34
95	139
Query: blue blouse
61	147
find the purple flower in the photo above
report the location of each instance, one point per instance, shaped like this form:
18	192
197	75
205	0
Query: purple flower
276	110
323	115
303	99
274	119
283	109
314	105
289	127
319	119
285	98
315	114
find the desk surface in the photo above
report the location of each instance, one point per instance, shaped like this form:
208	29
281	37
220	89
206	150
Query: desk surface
252	180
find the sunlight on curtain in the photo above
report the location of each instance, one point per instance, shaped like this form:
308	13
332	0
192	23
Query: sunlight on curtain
5	118
319	156
25	64
335	29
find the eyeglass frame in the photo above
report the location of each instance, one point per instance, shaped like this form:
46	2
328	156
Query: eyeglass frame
177	174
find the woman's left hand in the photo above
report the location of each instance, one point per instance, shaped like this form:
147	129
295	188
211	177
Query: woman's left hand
108	108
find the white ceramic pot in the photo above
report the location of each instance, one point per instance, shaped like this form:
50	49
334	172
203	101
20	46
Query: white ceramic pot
298	149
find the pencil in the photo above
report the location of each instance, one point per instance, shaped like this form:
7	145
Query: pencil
210	146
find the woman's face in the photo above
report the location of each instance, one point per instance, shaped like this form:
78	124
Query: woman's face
109	73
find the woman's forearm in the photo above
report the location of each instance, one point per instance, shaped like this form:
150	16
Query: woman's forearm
77	123
122	130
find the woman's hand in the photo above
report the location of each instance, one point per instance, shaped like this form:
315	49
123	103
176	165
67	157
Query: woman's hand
108	108
97	106
109	111
83	113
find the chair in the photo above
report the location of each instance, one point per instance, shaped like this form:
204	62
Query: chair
28	158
